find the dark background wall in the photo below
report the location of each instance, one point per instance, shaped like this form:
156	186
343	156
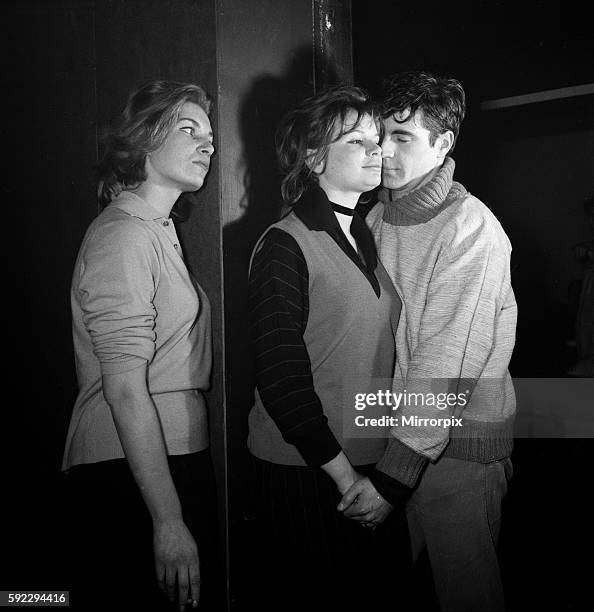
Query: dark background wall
67	68
533	165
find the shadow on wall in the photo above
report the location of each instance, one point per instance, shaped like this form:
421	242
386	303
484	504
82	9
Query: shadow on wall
265	103
268	98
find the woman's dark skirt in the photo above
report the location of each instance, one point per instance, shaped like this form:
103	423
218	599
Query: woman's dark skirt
112	535
312	557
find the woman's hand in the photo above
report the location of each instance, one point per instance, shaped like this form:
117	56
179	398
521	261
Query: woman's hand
176	557
139	430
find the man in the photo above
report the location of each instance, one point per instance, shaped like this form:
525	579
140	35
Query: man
449	258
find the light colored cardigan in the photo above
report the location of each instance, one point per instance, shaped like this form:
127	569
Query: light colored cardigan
449	259
134	302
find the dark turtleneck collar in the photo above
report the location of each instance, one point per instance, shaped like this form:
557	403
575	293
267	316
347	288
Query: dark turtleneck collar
428	200
317	213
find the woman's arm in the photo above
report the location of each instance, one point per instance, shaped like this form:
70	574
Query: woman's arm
341	471
279	308
139	430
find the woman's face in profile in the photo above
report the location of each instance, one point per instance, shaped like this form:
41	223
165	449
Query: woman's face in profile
354	161
182	161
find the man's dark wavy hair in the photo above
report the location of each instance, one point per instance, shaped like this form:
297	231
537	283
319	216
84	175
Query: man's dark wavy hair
441	100
140	128
305	133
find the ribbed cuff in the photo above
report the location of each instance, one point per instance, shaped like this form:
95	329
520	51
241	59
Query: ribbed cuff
315	442
482	442
402	463
391	490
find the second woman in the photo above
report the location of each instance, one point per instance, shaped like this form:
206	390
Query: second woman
323	314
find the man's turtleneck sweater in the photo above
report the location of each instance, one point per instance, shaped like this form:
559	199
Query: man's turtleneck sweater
449	258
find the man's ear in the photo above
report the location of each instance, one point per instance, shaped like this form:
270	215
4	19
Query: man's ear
310	161
445	142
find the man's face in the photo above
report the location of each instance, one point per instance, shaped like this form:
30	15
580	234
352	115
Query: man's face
408	155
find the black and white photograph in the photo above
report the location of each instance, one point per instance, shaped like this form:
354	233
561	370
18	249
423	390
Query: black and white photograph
303	309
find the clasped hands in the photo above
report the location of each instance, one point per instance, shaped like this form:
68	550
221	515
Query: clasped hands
362	503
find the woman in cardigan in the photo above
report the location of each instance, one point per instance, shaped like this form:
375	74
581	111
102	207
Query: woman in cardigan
137	447
323	317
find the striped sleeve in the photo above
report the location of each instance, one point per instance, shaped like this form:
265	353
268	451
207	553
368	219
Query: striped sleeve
279	308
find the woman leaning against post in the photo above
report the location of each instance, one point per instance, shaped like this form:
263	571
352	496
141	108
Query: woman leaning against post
323	318
137	458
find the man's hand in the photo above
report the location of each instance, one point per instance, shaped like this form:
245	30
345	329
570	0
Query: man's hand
363	503
176	556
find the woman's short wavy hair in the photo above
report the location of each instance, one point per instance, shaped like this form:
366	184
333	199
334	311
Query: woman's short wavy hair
140	128
305	133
